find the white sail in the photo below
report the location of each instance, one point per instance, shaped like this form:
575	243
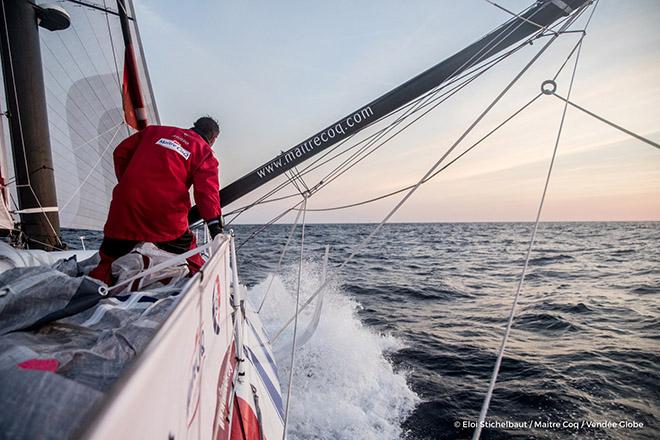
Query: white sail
83	73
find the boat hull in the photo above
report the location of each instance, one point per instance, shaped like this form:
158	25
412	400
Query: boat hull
207	373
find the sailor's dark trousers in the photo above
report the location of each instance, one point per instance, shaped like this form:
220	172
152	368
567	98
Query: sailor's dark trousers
113	248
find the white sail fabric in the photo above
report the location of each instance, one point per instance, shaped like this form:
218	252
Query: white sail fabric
6	220
83	73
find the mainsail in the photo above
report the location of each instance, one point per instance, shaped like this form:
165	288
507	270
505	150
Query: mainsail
83	70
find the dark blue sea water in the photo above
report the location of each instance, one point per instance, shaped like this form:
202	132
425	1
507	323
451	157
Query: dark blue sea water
584	349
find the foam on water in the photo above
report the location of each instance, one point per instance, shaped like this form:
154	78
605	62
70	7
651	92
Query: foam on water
343	385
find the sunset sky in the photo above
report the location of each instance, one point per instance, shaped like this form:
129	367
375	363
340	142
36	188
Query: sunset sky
275	73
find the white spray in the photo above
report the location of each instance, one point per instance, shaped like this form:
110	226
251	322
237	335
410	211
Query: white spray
343	387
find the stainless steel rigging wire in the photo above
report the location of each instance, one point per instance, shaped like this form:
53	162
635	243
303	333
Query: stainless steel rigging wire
366	240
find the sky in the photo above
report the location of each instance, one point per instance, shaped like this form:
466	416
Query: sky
274	73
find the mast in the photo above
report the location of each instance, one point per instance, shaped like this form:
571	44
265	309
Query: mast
542	14
28	119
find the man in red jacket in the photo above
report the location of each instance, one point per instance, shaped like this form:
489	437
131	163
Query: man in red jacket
155	168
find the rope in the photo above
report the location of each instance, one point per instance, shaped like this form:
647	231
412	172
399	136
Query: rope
429	99
364	202
295	323
392	125
279	263
533	23
164	265
610	123
381	197
270	222
365	241
505	338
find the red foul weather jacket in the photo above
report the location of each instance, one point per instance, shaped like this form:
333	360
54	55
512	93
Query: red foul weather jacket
155	168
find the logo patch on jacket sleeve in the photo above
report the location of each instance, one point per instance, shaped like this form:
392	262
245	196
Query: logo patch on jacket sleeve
174	146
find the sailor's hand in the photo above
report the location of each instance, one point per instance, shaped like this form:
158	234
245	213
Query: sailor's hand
215	226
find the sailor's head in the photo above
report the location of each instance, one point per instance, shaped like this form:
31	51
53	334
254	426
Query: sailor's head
208	128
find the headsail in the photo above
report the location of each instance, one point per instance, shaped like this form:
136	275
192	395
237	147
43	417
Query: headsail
83	68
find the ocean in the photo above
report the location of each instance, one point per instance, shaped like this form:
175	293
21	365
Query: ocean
409	331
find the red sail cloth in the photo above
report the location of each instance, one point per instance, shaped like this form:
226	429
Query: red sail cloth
135	113
155	169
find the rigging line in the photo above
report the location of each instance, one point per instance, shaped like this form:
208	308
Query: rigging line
53	247
610	123
429	98
496	39
45	214
578	44
270	222
505	338
570	55
112	46
327	182
484	68
265	199
82	183
520	110
292	180
437	102
593	11
459	156
295	324
13	80
440	87
518	16
279	262
275	199
366	240
297	174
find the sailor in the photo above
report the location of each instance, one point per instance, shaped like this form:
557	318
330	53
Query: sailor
155	169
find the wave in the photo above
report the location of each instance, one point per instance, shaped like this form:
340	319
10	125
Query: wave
546	322
566	308
542	261
645	289
343	384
